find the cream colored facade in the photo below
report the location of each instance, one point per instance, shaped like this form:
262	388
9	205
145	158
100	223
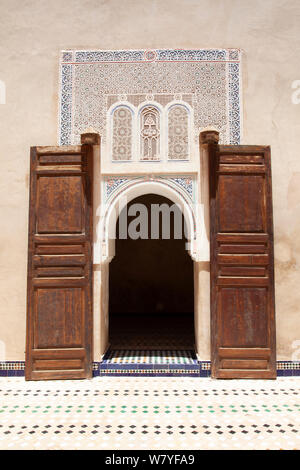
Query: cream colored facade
32	35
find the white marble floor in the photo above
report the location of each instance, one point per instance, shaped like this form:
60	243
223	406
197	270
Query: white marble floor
150	413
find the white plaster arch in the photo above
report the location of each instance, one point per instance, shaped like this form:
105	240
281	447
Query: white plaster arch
197	245
147	103
179	103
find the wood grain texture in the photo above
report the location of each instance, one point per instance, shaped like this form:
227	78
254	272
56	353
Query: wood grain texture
59	299
242	262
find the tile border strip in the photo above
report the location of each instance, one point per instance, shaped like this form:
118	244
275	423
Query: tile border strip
202	369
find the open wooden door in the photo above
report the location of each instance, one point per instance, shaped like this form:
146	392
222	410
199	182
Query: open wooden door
59	297
242	277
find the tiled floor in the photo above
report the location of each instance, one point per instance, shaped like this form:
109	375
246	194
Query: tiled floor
150	413
132	362
127	356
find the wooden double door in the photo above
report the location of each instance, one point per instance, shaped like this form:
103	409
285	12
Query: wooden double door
59	310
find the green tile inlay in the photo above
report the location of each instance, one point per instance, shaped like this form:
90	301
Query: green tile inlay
156	409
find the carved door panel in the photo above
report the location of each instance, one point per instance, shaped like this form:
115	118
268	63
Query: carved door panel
59	310
242	272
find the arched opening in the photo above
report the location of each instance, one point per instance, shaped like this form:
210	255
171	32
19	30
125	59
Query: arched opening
151	293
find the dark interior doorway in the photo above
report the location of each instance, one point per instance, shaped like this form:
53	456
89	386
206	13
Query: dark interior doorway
151	292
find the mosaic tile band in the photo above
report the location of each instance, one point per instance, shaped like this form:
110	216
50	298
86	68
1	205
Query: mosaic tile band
178	364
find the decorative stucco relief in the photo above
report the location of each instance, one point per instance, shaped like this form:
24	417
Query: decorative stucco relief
114	184
207	79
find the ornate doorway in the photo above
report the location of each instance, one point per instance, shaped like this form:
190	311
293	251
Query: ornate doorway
68	286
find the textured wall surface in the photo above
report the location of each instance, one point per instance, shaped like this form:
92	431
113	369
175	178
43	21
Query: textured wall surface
31	35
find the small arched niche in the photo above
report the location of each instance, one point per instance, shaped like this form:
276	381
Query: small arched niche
122	133
150	132
178	118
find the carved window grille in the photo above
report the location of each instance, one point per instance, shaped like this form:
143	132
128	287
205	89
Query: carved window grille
122	134
150	133
178	133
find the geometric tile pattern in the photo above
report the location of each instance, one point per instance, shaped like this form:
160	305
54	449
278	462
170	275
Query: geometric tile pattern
289	365
12	365
150	413
148	371
149	357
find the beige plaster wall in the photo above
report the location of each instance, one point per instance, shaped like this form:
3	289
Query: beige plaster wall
34	31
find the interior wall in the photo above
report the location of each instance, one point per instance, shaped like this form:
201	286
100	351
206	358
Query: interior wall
31	36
